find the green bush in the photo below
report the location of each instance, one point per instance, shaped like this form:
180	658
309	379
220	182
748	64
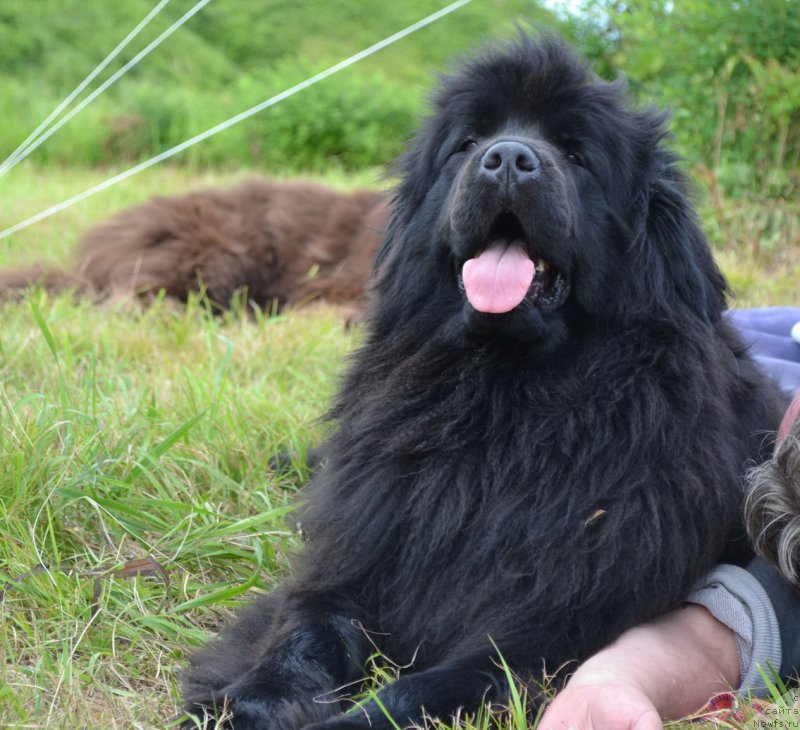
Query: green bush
349	120
76	142
730	72
231	56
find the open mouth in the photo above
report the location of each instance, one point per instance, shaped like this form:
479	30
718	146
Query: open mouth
509	271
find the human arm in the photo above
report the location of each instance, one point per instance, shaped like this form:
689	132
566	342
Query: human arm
665	668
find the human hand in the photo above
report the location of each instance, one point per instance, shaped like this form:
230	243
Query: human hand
665	668
601	704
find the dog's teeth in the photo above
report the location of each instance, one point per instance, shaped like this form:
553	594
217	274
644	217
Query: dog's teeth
542	266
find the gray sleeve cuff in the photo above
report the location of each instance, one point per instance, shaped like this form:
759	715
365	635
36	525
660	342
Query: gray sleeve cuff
736	599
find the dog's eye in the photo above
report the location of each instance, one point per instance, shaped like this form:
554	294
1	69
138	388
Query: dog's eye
467	145
575	159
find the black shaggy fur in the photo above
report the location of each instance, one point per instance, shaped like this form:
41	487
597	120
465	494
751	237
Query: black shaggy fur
536	481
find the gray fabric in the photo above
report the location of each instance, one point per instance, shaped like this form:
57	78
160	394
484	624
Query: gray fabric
737	599
785	600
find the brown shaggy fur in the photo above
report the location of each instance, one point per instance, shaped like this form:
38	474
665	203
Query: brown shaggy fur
285	243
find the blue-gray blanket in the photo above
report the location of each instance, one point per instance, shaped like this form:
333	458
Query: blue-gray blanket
768	332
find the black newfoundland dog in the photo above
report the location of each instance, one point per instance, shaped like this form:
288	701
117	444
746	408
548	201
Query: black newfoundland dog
541	442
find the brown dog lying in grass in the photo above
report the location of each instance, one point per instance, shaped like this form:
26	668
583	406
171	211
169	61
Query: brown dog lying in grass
283	242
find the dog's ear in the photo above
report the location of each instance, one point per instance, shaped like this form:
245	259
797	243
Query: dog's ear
684	267
417	169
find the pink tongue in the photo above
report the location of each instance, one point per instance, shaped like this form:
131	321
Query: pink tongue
498	279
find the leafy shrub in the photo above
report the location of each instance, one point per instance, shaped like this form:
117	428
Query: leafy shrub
350	120
231	56
728	71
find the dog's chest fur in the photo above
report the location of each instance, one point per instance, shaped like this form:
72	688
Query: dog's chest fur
497	479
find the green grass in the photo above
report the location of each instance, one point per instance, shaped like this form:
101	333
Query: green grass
128	437
133	464
136	502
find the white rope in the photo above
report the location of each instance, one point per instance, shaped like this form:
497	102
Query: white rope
235	120
11	160
100	89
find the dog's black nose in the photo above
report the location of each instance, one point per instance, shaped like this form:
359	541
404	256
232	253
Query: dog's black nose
512	161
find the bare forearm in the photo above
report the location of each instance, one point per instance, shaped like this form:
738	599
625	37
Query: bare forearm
678	661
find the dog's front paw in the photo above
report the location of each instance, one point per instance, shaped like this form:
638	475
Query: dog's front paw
356	719
255	713
342	722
